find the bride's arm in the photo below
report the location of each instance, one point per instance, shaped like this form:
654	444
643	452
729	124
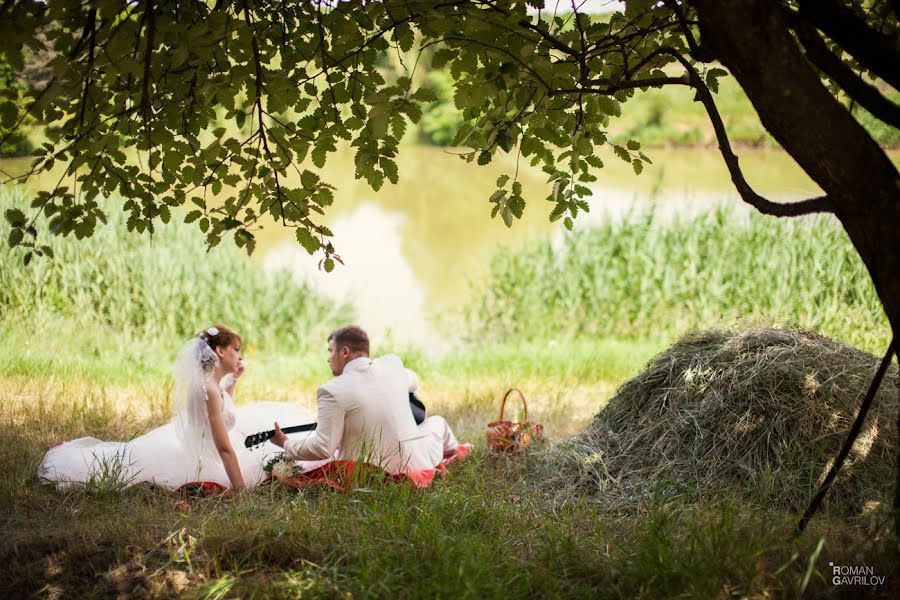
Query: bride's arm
230	380
221	439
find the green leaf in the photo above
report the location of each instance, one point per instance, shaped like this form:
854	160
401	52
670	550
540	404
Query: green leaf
306	239
517	206
484	157
375	179
622	153
558	211
309	179
329	265
319	155
15	217
390	170
501	181
425	94
638	166
633	145
712	78
15	237
582	190
8	114
442	57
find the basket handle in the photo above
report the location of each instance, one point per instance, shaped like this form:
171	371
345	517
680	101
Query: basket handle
521	395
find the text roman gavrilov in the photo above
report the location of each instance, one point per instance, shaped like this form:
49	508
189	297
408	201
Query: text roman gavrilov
854	575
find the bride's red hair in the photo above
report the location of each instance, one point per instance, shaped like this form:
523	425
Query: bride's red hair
222	338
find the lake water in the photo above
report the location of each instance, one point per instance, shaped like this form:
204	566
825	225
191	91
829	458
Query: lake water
414	253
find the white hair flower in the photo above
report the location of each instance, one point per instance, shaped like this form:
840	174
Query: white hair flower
213	331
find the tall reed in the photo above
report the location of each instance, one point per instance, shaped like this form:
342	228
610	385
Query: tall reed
160	289
639	277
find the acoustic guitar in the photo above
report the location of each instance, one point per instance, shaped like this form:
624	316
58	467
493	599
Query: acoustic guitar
257	439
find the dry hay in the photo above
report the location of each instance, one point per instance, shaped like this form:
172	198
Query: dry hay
760	413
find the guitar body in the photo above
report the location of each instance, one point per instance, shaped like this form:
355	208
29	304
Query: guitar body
415	405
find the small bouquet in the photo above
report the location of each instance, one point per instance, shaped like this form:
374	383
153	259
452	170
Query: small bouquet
279	466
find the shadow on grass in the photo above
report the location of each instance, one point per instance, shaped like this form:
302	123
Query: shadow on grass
482	531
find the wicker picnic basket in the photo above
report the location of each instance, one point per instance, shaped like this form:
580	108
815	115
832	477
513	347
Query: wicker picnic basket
508	436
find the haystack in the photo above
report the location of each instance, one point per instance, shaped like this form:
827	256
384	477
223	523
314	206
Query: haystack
759	414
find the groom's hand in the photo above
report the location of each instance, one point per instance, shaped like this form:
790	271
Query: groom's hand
279	438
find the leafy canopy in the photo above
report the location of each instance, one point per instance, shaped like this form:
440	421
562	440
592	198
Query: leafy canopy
166	103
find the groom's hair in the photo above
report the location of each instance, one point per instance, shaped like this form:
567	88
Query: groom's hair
351	336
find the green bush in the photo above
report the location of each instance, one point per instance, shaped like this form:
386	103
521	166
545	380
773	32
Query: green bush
640	277
441	119
164	288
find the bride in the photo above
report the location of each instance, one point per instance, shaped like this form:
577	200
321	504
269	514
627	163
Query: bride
203	442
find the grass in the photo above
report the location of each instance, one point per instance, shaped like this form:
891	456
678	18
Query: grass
488	530
131	288
87	350
639	279
484	531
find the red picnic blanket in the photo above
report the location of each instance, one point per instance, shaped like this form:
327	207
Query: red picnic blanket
342	475
345	475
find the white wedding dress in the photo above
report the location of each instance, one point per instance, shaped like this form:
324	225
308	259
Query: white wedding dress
181	451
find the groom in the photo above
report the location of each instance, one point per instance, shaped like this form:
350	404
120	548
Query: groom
364	413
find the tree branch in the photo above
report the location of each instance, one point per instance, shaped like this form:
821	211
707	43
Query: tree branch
818	53
767	207
334	105
259	94
874	50
513	56
92	16
146	109
89	25
698	52
851	437
548	37
612	86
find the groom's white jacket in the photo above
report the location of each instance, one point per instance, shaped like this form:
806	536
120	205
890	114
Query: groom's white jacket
364	414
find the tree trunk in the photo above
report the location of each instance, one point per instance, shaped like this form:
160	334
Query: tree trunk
751	38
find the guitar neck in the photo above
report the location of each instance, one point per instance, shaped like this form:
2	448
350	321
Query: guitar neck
261	437
418	410
295	429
